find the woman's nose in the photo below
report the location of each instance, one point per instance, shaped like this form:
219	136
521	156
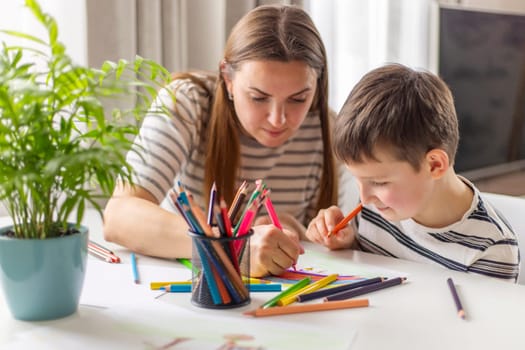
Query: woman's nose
277	115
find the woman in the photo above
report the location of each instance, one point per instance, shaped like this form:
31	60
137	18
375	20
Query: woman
265	116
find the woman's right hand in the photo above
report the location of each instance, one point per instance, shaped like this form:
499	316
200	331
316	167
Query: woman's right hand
272	251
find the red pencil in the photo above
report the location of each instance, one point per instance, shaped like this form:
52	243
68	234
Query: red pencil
100	255
103	252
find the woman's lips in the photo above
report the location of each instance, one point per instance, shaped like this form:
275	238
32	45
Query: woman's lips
275	133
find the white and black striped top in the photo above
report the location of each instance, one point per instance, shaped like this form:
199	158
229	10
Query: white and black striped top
171	152
481	242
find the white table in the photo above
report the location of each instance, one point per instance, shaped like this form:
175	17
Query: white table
417	315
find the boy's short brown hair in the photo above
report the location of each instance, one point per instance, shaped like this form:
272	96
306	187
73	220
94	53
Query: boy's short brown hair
409	112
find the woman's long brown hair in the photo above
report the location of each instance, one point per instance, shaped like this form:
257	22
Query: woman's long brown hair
279	33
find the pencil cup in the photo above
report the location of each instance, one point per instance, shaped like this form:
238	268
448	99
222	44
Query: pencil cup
216	278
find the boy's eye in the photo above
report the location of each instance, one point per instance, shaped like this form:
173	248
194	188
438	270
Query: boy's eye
379	183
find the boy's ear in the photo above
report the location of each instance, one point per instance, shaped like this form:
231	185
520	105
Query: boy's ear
438	162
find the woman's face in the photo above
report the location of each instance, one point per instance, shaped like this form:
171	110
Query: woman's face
272	98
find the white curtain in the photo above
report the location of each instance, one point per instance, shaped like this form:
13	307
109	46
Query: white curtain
361	35
179	34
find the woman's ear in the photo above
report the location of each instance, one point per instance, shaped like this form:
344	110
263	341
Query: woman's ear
438	162
226	73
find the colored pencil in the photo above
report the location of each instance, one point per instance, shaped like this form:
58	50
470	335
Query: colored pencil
99	255
159	284
176	288
225	217
342	224
365	289
238	202
292	297
186	287
341	288
136	278
293	309
455	296
300	284
265	287
100	247
102	254
273	215
248	280
271	212
186	262
211	204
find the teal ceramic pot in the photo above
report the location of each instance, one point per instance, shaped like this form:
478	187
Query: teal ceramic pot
42	278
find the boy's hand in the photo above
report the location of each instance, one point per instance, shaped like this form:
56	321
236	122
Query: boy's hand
323	223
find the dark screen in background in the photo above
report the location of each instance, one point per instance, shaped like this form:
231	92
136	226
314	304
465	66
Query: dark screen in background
482	59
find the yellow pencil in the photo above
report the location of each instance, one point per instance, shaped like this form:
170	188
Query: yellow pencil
158	285
288	299
253	280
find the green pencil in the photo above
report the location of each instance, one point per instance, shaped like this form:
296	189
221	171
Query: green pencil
185	262
272	302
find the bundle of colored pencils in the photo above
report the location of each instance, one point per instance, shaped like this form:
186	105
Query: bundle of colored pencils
219	240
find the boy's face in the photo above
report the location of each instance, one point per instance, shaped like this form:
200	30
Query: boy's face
393	186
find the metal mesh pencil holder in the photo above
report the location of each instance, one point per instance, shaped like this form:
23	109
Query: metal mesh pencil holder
217	281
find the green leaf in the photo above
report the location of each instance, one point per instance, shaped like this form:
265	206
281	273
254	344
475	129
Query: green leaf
65	129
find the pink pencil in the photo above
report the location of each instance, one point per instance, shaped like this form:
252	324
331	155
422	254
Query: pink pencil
273	215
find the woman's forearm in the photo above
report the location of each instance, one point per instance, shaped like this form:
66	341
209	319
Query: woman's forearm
146	228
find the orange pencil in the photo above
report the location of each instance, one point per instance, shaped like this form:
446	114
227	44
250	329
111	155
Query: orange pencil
293	309
346	220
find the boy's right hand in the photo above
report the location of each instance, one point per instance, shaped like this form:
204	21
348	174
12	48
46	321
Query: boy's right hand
323	223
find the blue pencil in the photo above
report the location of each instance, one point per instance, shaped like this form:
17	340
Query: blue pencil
134	267
186	288
177	288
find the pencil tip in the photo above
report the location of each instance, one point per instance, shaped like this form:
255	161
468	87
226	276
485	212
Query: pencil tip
249	313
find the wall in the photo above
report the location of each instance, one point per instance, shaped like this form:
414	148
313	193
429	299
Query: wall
70	16
511	5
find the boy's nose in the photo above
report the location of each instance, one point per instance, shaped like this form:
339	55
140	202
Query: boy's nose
366	194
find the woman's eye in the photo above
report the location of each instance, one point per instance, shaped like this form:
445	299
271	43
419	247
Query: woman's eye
259	98
298	100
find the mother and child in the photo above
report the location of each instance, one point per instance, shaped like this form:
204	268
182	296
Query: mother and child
265	115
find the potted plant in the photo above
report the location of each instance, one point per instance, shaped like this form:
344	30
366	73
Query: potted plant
60	151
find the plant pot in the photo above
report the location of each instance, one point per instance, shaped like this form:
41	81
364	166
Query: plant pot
42	278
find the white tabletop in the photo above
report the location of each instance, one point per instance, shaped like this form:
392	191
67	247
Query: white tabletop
420	314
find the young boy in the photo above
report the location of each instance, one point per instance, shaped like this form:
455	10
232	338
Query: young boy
398	134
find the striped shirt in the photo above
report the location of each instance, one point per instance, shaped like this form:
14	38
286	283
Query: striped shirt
481	242
171	152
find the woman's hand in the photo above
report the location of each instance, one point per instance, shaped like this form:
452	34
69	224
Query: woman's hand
272	251
323	223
